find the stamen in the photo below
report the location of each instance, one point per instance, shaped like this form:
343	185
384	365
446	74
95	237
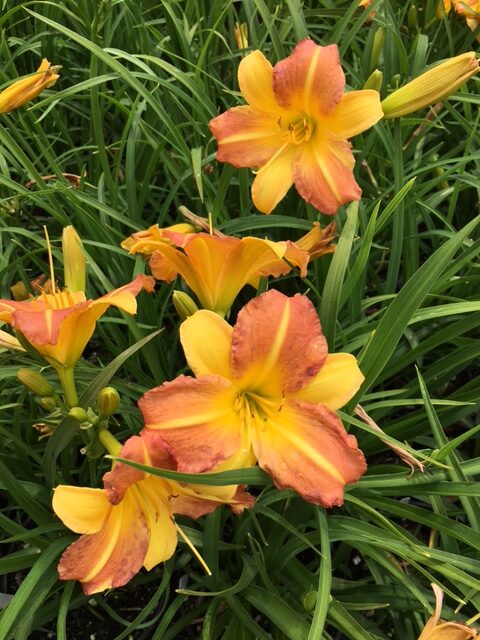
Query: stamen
192	548
50	259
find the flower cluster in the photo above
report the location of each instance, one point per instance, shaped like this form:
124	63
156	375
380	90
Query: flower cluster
265	390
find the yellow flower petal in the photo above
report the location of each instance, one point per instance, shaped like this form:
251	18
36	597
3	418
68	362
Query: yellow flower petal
81	509
207	339
273	180
356	112
255	77
335	384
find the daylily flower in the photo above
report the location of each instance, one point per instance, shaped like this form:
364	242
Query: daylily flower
470	9
217	267
59	324
22	91
295	127
265	390
431	87
129	523
437	629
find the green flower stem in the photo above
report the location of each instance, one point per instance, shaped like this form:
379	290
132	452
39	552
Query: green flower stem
111	444
67	380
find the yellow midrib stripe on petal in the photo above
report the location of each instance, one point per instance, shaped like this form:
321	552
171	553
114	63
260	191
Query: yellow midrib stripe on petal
117	515
311	453
190	421
277	344
310	77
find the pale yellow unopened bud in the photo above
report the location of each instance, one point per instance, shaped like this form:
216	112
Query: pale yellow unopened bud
432	86
184	305
35	383
9	342
374	80
22	91
108	401
74	268
240	33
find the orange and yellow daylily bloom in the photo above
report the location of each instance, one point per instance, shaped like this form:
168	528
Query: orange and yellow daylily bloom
437	629
59	324
129	523
22	91
295	127
265	390
217	267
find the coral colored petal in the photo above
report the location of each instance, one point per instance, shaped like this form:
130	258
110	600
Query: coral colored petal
111	557
255	77
146	449
323	176
124	298
335	384
357	111
81	509
305	447
274	180
196	420
206	339
195	501
310	80
277	344
246	137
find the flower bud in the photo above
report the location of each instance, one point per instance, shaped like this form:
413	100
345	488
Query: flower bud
22	91
73	260
432	86
184	305
309	600
374	81
9	342
48	403
240	33
412	18
78	414
108	402
35	382
377	47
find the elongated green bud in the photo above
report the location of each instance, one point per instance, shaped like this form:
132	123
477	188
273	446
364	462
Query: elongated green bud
374	81
73	260
184	305
108	402
377	48
35	383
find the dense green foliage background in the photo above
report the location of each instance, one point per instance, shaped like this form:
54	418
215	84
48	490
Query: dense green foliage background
139	83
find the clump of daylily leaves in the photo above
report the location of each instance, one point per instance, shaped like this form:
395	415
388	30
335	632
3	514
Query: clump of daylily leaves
264	389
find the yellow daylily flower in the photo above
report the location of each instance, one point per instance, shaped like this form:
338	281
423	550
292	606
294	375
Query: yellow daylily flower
431	87
265	390
129	523
295	127
217	267
22	91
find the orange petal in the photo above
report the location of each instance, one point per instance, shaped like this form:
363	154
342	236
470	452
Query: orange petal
335	384
322	172
277	344
196	501
196	420
310	80
111	557
274	179
81	509
246	137
305	447
318	241
357	111
255	77
146	449
206	340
